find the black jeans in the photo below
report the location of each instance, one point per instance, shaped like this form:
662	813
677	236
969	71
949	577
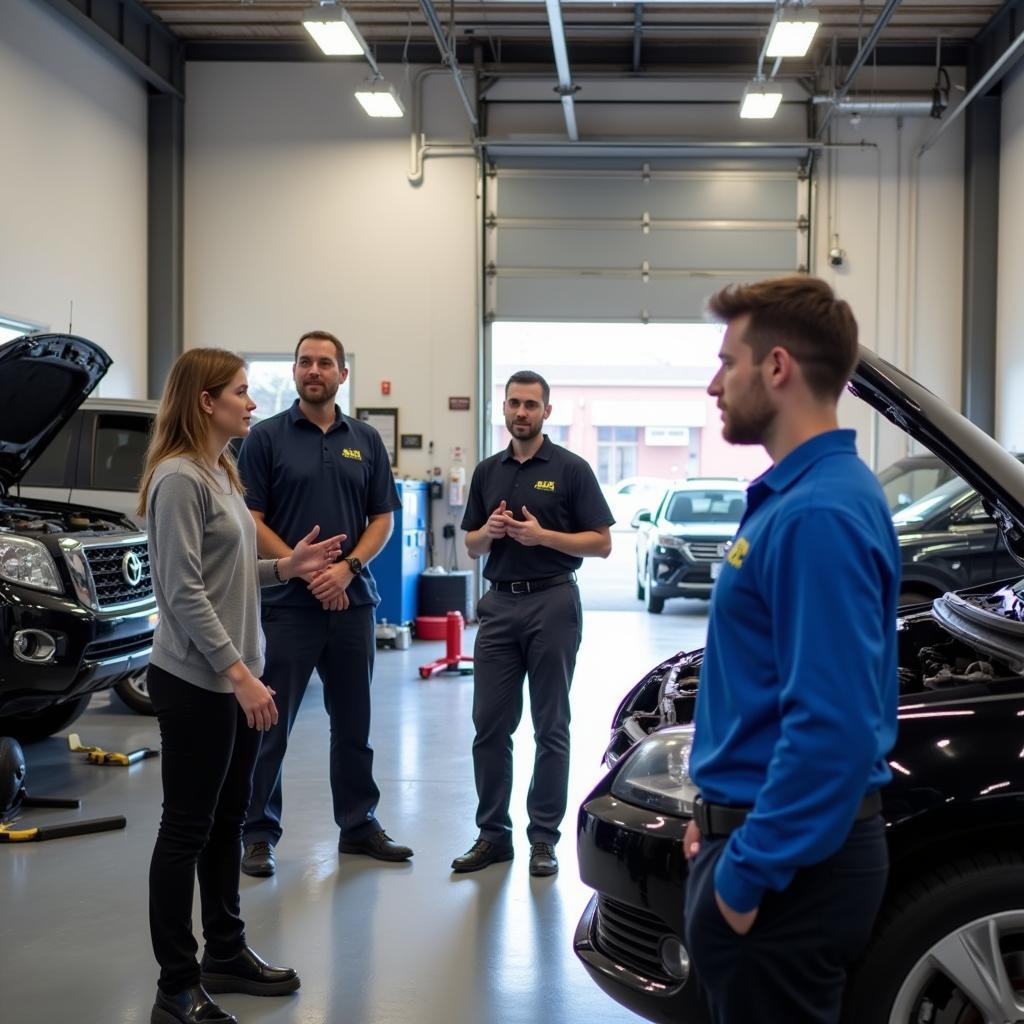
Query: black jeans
535	635
790	968
207	757
341	647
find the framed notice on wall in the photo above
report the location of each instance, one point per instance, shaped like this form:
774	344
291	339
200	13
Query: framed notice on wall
385	422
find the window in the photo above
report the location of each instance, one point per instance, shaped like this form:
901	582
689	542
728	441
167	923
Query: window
705	507
119	451
272	388
49	470
616	453
11	329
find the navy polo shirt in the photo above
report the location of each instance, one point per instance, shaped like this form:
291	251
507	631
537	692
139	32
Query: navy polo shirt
298	476
796	709
557	486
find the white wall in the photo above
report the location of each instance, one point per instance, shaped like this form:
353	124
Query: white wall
299	215
1010	317
73	188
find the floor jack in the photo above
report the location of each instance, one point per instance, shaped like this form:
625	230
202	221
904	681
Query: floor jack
97	755
13	798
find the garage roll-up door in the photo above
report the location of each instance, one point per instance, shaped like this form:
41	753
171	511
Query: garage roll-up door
644	242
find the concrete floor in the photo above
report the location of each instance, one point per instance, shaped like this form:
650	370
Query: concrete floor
374	943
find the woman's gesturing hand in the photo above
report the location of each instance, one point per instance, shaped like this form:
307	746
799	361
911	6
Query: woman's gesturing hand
308	557
257	701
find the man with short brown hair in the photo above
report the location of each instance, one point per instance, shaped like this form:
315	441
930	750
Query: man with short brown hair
797	703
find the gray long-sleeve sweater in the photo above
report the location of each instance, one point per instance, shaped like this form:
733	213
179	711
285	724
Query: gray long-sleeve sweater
206	576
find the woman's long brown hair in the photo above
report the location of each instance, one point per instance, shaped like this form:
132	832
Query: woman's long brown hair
181	427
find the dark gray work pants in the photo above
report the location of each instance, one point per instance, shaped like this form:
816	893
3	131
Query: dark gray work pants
535	635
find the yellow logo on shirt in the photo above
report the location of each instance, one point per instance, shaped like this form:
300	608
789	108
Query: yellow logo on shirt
738	552
545	485
352	453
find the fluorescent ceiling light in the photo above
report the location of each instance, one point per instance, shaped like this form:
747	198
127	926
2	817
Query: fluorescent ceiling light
791	38
334	31
760	100
381	101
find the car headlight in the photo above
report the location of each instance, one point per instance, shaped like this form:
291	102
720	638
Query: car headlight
26	561
657	773
670	540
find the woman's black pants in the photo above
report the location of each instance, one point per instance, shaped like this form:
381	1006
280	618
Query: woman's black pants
207	758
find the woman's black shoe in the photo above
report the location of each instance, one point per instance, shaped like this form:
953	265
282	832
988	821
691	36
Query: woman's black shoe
247	973
192	1006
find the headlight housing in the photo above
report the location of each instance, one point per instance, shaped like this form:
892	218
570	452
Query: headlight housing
27	562
670	540
657	774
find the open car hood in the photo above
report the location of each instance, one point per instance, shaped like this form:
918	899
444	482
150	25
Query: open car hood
44	378
991	470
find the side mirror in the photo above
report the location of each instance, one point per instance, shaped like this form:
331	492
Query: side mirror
643	516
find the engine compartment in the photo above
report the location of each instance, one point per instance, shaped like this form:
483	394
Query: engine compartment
26	519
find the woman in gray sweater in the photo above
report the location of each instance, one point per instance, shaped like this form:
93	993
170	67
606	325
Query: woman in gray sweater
204	682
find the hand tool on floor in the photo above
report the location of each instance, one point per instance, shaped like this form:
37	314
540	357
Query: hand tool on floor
97	755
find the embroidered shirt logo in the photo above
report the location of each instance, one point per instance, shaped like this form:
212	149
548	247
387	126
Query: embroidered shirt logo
545	485
352	453
738	552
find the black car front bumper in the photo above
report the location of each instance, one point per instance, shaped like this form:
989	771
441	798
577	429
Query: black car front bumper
634	860
673	574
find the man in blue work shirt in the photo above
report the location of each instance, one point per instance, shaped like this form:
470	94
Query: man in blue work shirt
797	704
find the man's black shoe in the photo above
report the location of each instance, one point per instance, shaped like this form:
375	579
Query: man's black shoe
480	855
543	860
193	1006
249	973
258	860
378	844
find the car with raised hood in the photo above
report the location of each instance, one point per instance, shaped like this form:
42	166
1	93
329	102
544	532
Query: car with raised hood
948	945
77	610
680	545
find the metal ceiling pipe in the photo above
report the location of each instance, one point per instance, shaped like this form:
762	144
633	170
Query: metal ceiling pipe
565	87
882	106
449	59
860	59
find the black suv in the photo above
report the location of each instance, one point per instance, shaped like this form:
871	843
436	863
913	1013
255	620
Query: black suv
77	611
948	946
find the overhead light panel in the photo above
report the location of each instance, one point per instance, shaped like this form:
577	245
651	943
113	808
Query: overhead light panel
381	100
760	100
334	31
791	36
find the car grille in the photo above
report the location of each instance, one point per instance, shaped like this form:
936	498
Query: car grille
706	550
632	938
112	588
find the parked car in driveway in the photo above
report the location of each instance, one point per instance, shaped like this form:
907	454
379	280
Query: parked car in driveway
948	945
681	543
77	611
630	495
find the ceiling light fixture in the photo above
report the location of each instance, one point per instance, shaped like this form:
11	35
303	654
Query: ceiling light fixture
791	36
334	30
760	100
380	99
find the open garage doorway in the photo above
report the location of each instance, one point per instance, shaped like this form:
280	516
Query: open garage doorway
631	399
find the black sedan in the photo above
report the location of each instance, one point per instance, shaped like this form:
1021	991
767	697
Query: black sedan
948	946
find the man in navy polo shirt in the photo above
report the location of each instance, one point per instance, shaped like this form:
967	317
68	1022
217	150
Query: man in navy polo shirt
312	460
535	511
798	694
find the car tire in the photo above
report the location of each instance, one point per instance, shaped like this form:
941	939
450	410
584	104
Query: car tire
134	693
29	728
655	605
946	917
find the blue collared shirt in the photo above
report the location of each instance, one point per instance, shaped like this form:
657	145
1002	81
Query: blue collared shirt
796	710
299	476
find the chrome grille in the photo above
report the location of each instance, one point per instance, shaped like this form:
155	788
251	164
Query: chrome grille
706	550
632	938
109	583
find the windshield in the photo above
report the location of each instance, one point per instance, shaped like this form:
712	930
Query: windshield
709	506
925	507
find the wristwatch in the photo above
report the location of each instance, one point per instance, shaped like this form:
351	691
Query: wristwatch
354	564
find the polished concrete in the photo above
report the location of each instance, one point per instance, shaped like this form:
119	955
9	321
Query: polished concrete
374	943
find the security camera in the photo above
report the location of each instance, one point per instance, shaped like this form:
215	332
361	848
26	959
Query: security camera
836	256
